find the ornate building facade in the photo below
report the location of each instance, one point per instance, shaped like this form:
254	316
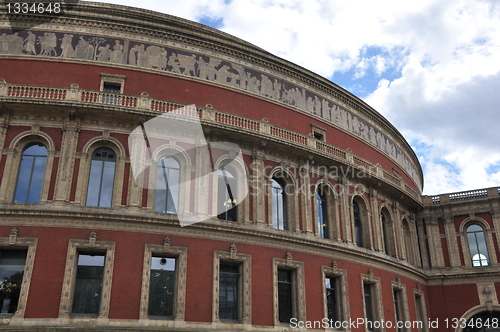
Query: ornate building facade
279	201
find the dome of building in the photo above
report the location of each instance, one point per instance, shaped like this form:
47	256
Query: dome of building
158	174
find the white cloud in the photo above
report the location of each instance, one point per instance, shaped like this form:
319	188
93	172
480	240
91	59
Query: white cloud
436	62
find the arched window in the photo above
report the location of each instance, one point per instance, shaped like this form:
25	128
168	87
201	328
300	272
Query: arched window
385	234
322	213
358	228
227	204
278	197
477	245
408	242
167	185
101	178
31	174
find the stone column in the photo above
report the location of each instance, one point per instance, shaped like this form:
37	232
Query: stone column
305	195
64	177
451	240
257	186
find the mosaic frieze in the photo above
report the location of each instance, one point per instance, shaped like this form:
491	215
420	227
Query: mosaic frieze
213	69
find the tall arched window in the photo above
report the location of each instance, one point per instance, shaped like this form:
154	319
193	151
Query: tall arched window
358	227
322	213
31	174
385	234
477	245
167	185
101	178
278	197
227	204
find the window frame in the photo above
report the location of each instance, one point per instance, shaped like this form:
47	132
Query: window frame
419	298
323	209
364	222
476	244
245	286
298	288
115	161
113	80
26	147
75	246
167	251
342	291
488	237
400	304
30	244
176	200
376	294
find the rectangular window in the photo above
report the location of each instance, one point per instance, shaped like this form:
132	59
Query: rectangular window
332	298
285	295
111	90
88	283
229	286
420	312
398	308
369	306
12	264
162	287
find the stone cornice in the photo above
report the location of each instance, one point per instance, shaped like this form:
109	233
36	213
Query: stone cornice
155	25
140	220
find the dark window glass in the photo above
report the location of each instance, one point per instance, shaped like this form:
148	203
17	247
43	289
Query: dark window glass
101	178
369	307
398	306
332	299
229	291
31	173
358	230
88	283
322	209
162	287
420	312
110	96
285	295
167	185
477	246
278	198
479	322
11	275
385	233
227	195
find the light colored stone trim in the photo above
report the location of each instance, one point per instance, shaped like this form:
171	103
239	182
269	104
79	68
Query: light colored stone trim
13	162
343	295
70	274
378	304
434	243
405	314
64	177
112	78
292	209
487	234
299	295
84	169
245	285
15	242
419	298
180	283
366	222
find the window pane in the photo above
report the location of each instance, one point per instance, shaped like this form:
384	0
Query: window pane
358	232
285	296
88	284
229	291
11	275
101	178
167	185
332	298
226	196
369	305
30	175
278	205
162	287
477	246
322	219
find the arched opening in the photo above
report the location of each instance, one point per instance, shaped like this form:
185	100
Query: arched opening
31	173
167	185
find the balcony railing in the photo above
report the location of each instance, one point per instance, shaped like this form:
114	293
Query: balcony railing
206	114
463	196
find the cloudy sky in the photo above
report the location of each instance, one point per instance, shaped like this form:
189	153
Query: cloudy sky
432	67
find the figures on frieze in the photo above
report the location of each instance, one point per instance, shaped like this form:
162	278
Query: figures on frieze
204	67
